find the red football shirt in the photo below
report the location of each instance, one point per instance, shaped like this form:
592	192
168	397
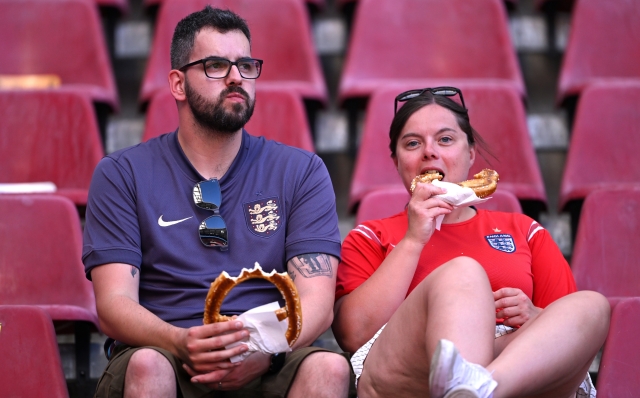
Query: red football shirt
514	250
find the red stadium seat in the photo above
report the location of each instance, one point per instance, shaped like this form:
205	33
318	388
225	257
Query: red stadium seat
496	112
428	39
606	252
41	249
604	42
387	202
60	37
30	365
605	142
280	35
49	136
620	364
279	115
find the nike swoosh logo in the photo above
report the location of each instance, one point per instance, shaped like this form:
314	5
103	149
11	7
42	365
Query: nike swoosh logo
163	223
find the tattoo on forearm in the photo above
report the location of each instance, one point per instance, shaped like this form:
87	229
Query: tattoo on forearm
313	264
292	275
134	271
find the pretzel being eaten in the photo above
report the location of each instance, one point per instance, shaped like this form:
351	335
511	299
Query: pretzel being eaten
425	178
483	183
224	283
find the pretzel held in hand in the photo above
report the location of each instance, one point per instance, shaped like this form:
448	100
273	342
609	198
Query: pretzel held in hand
224	283
483	183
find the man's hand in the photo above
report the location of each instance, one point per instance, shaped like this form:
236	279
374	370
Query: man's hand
514	306
201	348
234	378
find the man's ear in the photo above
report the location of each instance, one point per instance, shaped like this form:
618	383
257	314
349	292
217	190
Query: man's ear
176	85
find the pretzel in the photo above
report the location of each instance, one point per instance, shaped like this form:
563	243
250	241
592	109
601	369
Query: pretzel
483	183
426	177
224	283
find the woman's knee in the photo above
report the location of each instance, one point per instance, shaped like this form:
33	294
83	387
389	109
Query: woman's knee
460	270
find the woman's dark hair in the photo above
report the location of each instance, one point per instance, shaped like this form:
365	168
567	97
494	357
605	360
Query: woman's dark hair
185	33
415	104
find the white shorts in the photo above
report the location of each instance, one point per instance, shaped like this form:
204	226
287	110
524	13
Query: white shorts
586	389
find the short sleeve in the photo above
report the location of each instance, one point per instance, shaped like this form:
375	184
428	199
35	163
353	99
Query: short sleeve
362	254
552	276
313	219
111	232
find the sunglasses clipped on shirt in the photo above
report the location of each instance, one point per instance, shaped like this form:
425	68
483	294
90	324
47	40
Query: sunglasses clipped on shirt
213	232
445	91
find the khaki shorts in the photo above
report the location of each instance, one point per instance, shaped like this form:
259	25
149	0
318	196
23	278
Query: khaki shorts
111	383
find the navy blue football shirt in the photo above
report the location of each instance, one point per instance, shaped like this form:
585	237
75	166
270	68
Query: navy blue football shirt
141	212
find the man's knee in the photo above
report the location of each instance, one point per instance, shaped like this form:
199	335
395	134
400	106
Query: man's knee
147	363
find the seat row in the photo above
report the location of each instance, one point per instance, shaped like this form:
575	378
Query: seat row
52	136
44	281
472	43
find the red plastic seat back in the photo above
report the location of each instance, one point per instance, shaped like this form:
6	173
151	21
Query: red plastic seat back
604	42
279	115
280	35
387	202
606	252
60	37
49	136
30	365
605	142
40	257
396	40
618	373
496	112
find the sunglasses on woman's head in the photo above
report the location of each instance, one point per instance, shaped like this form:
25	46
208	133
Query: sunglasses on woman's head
213	230
446	91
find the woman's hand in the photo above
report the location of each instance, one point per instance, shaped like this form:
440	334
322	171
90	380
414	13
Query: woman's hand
514	307
423	209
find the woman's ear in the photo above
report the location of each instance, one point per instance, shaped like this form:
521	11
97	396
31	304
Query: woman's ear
395	161
472	154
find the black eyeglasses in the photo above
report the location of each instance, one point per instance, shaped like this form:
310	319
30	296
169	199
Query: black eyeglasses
446	91
213	230
219	68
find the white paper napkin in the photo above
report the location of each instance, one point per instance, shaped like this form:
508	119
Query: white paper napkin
457	196
266	333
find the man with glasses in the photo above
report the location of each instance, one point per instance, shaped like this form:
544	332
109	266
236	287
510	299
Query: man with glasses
166	217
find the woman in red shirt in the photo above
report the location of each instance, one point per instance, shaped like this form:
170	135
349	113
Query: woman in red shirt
484	307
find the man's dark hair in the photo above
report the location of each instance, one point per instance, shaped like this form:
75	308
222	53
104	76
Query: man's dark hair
185	33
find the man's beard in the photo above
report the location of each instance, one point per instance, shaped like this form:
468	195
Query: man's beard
212	115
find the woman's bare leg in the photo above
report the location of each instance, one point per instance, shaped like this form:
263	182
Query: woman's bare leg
454	302
550	355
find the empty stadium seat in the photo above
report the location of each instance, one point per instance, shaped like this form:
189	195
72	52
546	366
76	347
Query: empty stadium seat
618	372
605	142
30	364
40	247
428	39
40	252
387	202
496	112
280	35
279	115
151	3
604	42
60	37
606	252
49	136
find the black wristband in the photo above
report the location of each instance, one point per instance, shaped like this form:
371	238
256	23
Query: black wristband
277	362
